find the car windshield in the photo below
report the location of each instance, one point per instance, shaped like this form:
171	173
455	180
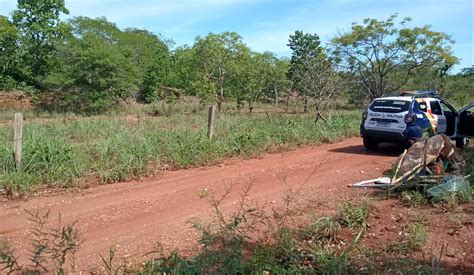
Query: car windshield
390	106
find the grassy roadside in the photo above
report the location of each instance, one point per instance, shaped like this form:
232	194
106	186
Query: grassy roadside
63	153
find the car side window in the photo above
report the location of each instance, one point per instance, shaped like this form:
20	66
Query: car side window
436	108
446	108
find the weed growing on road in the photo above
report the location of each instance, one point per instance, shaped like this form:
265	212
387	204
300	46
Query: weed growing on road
53	249
314	248
108	261
274	243
8	260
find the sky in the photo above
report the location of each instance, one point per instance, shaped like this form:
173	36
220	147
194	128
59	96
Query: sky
266	25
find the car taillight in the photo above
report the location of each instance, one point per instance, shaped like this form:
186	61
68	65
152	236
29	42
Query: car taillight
410	118
364	116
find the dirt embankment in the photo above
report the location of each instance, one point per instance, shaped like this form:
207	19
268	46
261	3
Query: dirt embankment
14	100
137	215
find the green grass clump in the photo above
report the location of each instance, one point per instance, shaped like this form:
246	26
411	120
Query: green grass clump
64	152
323	228
354	215
412	198
46	160
416	236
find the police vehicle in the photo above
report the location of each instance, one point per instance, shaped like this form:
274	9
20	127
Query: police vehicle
408	117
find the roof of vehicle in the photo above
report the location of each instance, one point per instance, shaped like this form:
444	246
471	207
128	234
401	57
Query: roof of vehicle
419	93
410	95
415	94
402	98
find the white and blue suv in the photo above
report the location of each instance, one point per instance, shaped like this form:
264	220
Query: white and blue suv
412	115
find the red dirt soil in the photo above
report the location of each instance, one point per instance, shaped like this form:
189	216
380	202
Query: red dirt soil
137	215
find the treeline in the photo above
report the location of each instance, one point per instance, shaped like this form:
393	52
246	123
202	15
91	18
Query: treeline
91	64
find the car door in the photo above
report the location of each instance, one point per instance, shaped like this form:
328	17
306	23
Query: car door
437	118
451	116
466	121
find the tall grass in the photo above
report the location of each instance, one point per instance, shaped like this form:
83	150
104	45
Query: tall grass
109	149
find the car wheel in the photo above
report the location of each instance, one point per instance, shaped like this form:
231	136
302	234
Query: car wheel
370	143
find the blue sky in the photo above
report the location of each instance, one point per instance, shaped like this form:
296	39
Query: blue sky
266	25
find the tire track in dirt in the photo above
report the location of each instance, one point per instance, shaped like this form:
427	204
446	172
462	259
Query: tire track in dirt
136	215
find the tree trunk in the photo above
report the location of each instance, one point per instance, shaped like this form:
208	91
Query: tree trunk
318	115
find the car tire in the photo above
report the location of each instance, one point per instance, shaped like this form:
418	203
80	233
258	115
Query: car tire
370	143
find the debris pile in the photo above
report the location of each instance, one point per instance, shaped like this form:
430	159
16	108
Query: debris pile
433	164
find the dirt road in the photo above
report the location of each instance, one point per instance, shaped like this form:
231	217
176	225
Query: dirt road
137	215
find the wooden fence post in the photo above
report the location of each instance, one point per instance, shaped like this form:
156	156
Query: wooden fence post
17	137
210	121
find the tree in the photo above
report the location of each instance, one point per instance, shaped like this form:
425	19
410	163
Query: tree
40	28
429	78
381	56
304	46
8	54
251	72
278	82
468	71
460	87
95	70
184	70
213	53
152	59
319	82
